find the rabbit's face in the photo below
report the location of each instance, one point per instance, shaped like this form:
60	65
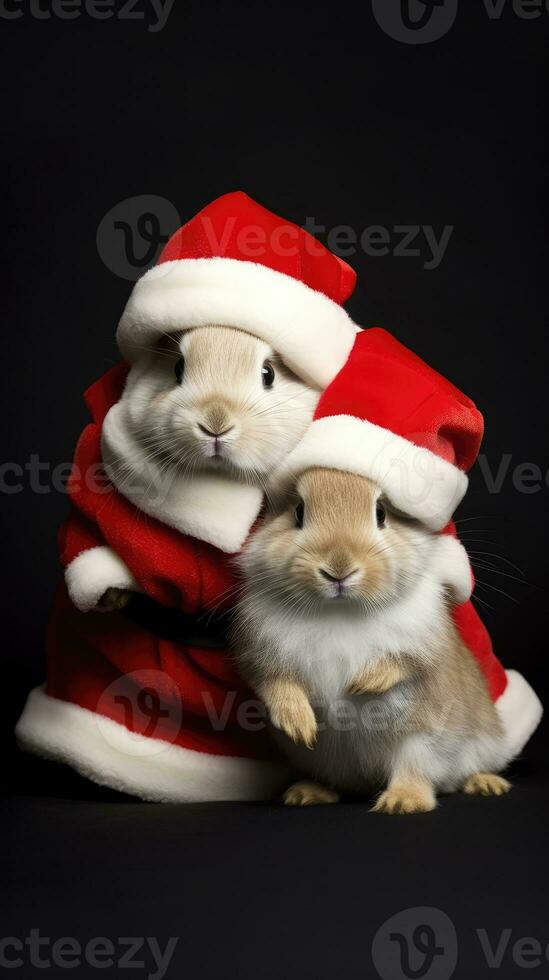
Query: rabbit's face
337	541
218	398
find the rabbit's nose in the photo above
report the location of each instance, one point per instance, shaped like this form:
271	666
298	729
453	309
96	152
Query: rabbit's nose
215	435
337	579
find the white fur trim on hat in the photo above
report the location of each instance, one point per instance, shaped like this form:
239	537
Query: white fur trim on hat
94	571
520	711
109	754
452	568
416	481
312	333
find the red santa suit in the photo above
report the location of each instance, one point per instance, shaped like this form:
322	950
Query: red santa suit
147	700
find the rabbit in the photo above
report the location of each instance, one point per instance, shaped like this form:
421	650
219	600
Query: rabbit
344	631
211	402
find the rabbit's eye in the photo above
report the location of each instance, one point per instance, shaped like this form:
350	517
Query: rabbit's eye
267	374
299	514
381	514
179	369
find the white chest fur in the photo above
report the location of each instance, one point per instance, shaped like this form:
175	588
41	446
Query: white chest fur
325	649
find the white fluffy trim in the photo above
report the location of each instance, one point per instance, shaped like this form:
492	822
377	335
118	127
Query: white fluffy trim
209	506
416	481
313	334
520	711
107	753
452	568
92	572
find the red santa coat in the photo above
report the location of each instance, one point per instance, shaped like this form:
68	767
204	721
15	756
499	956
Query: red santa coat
185	700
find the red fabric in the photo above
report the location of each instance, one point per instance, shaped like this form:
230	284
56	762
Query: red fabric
477	638
105	663
388	385
235	227
94	657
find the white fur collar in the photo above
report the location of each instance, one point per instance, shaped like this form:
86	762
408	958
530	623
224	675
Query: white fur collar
212	508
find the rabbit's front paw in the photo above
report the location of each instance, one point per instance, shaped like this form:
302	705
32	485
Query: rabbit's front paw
377	678
294	716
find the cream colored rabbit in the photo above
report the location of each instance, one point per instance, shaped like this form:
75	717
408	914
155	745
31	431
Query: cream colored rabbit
204	418
344	630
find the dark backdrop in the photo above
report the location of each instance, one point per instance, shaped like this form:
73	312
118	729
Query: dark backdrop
319	114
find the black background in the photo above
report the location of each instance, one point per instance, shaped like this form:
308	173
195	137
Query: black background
317	113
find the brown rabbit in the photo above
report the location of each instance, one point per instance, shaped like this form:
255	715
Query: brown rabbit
344	631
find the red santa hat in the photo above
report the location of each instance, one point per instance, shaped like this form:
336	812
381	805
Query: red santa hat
390	417
239	265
